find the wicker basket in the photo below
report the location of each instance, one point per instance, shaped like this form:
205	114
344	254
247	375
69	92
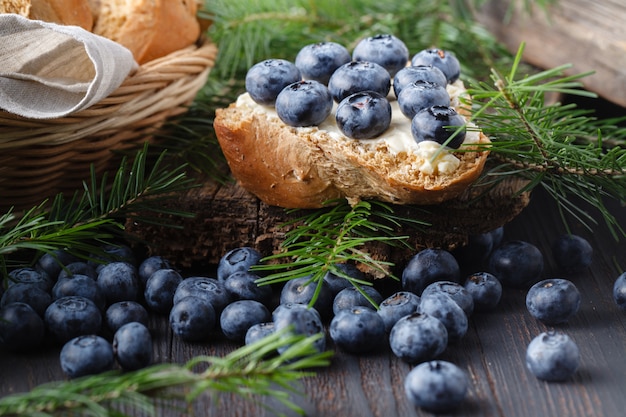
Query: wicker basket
40	158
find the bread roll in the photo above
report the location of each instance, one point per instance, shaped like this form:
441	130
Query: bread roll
63	12
149	28
304	167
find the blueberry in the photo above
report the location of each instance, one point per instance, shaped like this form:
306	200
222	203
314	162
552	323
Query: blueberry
266	79
396	306
258	331
299	319
386	50
408	75
553	301
420	95
427	266
443	307
418	337
239	316
356	77
358	330
235	260
21	328
436	386
119	282
440	124
304	103
552	356
354	297
572	252
192	318
52	262
80	268
619	291
86	355
339	276
149	266
444	60
302	290
243	286
82	285
318	61
72	316
497	235
30	294
160	289
210	289
455	290
31	276
132	346
122	312
516	263
485	289
363	115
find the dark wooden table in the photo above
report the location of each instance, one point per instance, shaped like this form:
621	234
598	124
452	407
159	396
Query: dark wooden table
492	353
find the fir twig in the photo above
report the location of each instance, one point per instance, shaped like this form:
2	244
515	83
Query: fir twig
548	143
250	371
320	240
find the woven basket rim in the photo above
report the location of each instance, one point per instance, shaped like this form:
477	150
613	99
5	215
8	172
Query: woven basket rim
155	87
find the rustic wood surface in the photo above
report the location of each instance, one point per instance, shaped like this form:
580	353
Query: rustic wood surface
590	35
227	216
492	353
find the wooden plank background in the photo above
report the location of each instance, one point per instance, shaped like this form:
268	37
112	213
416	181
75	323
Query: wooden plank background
590	35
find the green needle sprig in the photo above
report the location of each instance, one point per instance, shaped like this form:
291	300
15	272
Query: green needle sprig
250	371
318	241
556	146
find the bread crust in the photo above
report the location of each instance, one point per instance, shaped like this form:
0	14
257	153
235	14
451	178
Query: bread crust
306	167
150	29
63	12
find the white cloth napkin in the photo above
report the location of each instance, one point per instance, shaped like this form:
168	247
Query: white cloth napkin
49	70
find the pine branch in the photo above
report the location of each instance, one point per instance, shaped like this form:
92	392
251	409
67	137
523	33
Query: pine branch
326	237
249	371
87	220
549	143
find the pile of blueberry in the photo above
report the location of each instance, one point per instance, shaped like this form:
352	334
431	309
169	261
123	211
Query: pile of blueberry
303	92
99	312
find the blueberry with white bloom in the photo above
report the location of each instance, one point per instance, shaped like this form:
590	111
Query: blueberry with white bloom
238	259
72	316
304	103
572	253
486	290
119	282
363	115
132	346
386	50
444	60
553	301
318	61
358	330
359	76
122	312
239	316
444	308
436	386
192	319
454	290
396	306
355	297
552	356
86	355
266	79
160	289
516	263
427	266
441	124
210	289
418	337
21	328
299	319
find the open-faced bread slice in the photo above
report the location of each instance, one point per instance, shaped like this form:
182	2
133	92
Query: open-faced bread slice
295	167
